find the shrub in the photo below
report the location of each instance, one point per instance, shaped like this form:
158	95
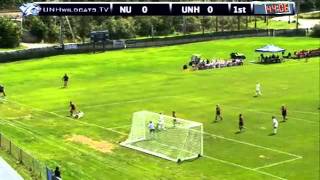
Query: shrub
9	33
36	27
316	31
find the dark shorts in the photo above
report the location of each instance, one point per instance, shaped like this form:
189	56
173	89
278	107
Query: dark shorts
152	130
218	113
284	114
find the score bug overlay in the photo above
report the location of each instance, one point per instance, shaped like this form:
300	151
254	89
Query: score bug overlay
158	8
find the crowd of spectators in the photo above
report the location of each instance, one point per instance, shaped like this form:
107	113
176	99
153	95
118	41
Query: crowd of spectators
270	59
296	55
201	64
307	53
212	64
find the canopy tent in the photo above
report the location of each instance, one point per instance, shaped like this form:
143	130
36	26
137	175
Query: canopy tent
270	49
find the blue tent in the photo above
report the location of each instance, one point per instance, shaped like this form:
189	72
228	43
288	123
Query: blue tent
270	49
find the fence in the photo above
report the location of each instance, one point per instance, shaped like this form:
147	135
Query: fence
37	169
87	47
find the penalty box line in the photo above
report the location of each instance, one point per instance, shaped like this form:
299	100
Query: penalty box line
277	163
121	102
67	148
64	117
115	131
112	129
295	157
244	167
153	98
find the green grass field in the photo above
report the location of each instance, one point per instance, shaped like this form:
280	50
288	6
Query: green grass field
110	86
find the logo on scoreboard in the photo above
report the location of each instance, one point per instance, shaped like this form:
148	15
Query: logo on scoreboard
28	9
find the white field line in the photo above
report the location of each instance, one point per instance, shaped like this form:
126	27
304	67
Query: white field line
305	112
296	157
206	156
262	112
231	163
117	127
122	102
112	129
149	99
277	163
254	145
244	167
64	117
23	129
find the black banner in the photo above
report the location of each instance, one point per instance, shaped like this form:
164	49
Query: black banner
158	8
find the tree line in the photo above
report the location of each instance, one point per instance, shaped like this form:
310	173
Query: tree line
77	28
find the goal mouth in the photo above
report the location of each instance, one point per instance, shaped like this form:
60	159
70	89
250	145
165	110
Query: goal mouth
174	139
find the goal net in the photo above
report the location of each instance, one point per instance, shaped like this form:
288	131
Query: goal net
174	139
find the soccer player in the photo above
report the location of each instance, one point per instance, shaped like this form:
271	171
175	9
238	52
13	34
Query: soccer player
258	90
161	122
218	113
2	92
284	113
57	173
275	124
65	79
151	127
72	108
241	123
78	114
174	118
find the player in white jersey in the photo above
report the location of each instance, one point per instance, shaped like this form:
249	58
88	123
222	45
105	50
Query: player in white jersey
275	124
161	122
258	89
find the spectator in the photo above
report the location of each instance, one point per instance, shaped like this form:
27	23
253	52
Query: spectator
57	174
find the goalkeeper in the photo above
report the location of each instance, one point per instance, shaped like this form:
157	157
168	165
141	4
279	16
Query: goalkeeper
161	122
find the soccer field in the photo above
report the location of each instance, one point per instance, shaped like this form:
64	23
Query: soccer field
108	87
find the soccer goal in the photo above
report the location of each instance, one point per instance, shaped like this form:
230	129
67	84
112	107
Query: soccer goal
178	139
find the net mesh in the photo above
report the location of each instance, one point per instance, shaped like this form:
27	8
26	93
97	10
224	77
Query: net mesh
173	139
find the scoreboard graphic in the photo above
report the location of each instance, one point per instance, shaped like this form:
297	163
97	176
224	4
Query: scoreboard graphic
273	8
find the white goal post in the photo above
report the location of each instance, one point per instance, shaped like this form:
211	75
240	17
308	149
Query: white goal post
174	139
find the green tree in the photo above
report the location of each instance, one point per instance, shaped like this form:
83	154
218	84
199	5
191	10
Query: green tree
36	27
316	31
9	33
83	27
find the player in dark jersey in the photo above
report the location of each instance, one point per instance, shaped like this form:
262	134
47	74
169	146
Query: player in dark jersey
2	92
241	122
65	79
174	121
284	113
72	108
218	113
